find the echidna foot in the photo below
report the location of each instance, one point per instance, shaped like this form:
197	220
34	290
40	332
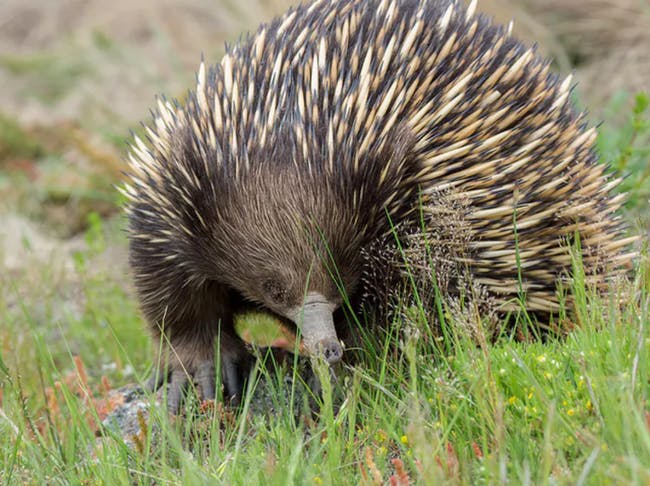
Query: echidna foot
205	379
177	383
155	381
235	368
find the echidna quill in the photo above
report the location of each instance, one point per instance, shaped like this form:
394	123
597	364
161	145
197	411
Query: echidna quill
325	129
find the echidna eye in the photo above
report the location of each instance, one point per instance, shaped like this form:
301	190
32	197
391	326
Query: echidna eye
274	291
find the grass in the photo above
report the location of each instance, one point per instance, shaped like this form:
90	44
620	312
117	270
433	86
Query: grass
416	409
563	411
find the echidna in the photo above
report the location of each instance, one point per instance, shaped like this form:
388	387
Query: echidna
324	130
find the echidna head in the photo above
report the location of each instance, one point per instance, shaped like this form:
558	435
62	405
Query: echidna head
289	243
296	286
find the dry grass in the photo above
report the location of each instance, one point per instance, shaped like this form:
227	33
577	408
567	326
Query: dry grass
608	42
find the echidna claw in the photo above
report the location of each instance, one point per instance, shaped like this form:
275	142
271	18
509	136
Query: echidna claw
234	374
177	384
231	382
155	381
204	378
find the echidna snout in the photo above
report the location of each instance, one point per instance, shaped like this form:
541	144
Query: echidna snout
316	323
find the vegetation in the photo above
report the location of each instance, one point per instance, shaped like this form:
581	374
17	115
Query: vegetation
565	408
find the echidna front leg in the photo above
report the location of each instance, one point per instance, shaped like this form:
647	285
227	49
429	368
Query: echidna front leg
194	361
188	353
